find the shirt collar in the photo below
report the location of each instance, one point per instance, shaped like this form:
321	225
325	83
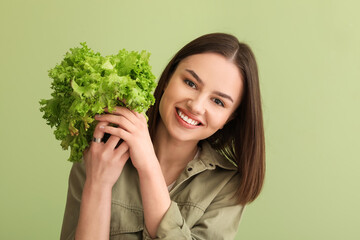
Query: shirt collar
212	158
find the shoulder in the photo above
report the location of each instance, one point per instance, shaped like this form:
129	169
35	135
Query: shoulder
77	179
78	170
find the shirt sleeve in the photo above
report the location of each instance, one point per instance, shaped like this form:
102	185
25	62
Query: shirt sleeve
219	221
72	208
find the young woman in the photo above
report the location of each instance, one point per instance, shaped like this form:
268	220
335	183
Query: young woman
190	170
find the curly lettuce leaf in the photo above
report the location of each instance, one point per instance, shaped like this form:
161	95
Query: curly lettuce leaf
85	82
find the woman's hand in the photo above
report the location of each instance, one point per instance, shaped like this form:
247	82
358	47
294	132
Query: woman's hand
132	128
103	162
103	165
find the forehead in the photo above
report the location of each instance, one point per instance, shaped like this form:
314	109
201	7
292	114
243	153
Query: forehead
217	72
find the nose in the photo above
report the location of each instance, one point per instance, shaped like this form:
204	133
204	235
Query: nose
196	106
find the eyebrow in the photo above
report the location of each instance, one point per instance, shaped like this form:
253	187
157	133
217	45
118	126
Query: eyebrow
224	95
201	82
195	76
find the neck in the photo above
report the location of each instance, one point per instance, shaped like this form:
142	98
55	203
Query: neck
171	152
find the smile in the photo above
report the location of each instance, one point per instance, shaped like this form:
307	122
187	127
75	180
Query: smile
187	119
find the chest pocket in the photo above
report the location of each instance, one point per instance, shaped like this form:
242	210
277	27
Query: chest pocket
126	221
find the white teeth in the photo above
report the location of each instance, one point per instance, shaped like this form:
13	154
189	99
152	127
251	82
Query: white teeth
187	119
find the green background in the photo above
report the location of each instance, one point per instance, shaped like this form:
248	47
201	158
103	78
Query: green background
309	58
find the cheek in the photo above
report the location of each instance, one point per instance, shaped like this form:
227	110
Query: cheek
171	95
164	100
164	105
218	119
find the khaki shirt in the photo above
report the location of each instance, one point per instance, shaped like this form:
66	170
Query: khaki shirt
203	206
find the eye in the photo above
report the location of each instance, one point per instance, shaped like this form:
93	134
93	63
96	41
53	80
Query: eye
190	83
218	102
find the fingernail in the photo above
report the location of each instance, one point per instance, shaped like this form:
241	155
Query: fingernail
97	116
102	127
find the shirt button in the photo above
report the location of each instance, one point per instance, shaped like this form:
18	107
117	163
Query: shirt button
189	169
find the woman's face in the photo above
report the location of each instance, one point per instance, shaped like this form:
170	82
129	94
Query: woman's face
200	97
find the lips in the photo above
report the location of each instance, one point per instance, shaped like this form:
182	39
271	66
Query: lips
186	118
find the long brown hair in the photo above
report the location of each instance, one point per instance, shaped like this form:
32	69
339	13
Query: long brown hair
242	139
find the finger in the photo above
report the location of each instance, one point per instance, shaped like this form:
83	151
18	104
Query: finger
122	149
123	111
98	134
124	158
116	131
141	116
118	120
112	142
138	115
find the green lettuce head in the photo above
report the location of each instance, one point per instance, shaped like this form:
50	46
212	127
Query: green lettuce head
85	82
